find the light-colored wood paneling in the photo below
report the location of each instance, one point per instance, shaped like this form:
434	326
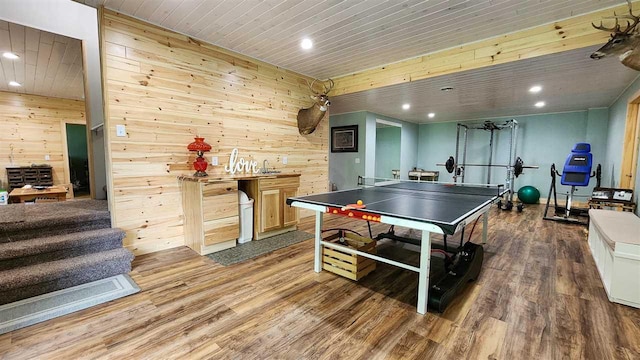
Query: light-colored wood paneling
167	88
570	34
33	126
348	36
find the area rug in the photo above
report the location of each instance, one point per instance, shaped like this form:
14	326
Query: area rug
255	248
40	308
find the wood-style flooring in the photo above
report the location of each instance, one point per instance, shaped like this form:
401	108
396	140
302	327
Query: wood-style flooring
539	296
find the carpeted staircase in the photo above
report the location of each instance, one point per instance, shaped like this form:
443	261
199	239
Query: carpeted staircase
52	246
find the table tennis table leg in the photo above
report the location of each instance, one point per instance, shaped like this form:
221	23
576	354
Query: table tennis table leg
317	264
423	275
485	226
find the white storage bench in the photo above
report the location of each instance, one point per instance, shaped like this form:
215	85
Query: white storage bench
614	239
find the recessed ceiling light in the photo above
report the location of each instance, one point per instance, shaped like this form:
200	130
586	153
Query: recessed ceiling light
446	88
406	106
14	83
535	89
10	55
431	115
540	104
306	43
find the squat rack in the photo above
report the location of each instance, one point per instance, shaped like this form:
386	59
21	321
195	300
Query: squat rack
491	127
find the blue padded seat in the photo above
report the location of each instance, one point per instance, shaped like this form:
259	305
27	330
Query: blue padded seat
577	167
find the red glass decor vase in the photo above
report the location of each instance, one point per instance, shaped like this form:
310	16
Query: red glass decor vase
199	145
200	164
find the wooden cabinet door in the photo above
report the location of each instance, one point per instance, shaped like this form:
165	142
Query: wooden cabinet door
289	213
270	210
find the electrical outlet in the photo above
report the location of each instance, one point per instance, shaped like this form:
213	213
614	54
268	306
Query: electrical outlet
121	131
214	160
47	157
357	160
284	160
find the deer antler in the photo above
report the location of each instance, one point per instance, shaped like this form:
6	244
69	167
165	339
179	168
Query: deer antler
326	91
631	17
311	86
616	28
324	86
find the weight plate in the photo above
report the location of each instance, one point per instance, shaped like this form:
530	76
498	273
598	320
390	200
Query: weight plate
517	167
450	164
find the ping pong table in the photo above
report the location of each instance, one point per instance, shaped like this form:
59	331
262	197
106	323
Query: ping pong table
430	207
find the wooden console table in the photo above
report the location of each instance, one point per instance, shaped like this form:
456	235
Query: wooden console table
52	193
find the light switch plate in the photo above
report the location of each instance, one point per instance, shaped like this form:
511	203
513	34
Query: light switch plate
284	160
47	157
214	160
121	131
357	160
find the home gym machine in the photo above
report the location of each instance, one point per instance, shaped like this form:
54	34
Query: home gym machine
514	167
576	173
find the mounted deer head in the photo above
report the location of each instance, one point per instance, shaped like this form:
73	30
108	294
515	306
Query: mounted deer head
624	42
309	118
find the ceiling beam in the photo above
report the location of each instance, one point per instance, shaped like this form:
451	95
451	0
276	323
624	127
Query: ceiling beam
568	34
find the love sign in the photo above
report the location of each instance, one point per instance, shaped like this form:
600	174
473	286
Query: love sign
241	165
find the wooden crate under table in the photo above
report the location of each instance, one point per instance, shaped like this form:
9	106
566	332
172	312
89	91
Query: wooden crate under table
351	266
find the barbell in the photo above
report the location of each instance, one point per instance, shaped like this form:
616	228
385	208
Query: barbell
517	166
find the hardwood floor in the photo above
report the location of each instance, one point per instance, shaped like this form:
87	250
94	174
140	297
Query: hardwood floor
539	296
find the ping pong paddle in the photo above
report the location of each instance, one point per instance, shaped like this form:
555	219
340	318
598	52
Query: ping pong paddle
358	205
353	207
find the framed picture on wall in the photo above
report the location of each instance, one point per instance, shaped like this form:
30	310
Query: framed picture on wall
344	138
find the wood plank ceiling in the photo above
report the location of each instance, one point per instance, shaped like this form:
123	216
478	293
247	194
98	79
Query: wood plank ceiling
49	64
570	81
348	35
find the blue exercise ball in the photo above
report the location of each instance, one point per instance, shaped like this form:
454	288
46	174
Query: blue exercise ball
529	194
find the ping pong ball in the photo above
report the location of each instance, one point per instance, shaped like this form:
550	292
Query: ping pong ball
359	202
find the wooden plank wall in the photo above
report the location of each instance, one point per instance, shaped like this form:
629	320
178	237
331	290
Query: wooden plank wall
31	126
563	35
166	88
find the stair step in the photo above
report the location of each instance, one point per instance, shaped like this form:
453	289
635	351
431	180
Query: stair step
21	283
22	221
61	228
51	248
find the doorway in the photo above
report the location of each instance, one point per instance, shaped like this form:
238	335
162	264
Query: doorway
78	159
631	145
388	138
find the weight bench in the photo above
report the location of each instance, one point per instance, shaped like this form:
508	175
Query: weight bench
615	246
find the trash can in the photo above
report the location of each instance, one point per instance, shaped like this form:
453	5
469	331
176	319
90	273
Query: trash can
246	217
4	197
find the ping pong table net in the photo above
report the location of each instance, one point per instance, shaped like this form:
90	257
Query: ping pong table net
433	186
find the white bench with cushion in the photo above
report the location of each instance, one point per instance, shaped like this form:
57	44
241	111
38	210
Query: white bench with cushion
614	240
